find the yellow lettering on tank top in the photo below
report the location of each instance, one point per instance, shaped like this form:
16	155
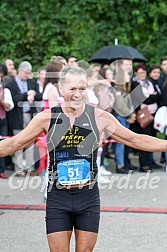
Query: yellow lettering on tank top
72	139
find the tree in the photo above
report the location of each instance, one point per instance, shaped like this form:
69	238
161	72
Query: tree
37	30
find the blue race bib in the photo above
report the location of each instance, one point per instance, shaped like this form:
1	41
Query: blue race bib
73	172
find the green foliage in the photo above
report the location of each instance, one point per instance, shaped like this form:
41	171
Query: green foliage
36	30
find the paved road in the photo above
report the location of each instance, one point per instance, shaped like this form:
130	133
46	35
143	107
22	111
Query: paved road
120	231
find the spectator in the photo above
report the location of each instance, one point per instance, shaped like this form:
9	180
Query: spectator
72	61
151	96
24	92
92	76
122	110
10	66
51	97
6	104
40	81
41	78
96	67
163	75
59	59
164	103
102	90
154	74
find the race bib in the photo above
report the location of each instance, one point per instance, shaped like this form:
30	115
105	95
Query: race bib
73	172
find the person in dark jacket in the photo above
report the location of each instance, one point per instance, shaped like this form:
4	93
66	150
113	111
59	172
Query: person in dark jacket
163	74
6	104
164	93
164	103
25	92
154	75
151	99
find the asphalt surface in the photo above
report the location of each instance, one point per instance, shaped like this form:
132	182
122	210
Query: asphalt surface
133	213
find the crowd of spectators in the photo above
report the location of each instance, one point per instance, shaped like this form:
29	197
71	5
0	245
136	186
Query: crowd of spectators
109	88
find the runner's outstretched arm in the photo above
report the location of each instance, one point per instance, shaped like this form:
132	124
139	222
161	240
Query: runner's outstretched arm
122	134
40	123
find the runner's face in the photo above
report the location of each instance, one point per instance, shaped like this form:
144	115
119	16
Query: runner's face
74	90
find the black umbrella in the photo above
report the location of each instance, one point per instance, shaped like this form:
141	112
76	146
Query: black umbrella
108	54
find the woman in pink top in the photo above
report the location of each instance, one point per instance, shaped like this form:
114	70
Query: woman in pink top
51	98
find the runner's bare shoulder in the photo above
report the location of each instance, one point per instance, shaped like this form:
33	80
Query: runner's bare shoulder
43	119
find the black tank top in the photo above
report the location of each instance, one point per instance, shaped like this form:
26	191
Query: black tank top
78	143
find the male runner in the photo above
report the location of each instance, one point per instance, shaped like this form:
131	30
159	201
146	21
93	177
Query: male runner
73	131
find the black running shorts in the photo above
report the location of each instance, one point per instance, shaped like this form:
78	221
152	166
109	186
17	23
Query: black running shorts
68	208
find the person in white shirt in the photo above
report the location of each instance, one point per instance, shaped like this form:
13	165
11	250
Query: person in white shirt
6	104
